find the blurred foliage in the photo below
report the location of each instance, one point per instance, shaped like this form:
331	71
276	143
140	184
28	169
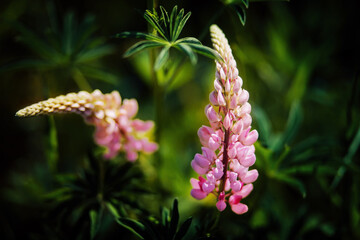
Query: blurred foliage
67	48
297	61
165	228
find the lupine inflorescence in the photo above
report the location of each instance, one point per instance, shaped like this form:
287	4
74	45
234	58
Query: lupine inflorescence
228	149
116	129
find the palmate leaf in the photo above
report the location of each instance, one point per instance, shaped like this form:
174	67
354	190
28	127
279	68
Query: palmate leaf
169	29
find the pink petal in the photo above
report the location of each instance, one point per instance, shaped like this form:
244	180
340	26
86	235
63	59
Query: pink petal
250	138
149	147
194	183
238	127
227	121
239	208
227	85
131	156
204	133
142	126
131	107
233	101
208	187
214	142
249	160
246	108
247	120
198	169
208	153
217	85
221	205
250	176
244	97
237	85
213	98
201	161
116	98
246	190
221	99
198	194
211	114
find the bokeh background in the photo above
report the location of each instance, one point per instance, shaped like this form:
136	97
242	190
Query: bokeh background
299	62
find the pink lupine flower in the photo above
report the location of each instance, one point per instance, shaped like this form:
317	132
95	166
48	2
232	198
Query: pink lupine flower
115	128
228	144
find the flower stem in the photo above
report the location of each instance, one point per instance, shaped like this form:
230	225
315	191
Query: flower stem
225	160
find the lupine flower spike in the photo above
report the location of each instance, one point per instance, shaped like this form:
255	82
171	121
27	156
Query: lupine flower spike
228	144
116	129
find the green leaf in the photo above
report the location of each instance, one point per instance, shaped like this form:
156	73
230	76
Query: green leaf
27	63
94	223
162	58
292	182
165	217
165	16
172	22
206	51
137	47
174	218
183	229
181	25
292	127
264	124
304	169
112	210
94	53
240	11
191	40
246	3
139	35
69	29
95	73
135	227
36	43
188	51
150	17
353	148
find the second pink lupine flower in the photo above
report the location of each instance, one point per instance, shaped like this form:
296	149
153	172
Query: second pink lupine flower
116	129
228	149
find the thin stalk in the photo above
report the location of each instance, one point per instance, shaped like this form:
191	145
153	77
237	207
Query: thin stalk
158	90
225	160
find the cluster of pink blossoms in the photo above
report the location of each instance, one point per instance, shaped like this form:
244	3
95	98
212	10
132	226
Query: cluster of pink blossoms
116	129
228	149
